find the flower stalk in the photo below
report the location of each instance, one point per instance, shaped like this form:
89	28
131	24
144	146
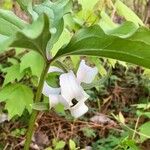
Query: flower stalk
35	112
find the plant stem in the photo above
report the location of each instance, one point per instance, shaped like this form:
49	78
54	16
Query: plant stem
35	112
136	125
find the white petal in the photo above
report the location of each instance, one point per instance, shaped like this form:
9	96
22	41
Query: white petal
85	73
47	90
56	99
79	109
71	89
53	100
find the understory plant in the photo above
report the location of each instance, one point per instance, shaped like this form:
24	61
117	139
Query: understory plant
129	41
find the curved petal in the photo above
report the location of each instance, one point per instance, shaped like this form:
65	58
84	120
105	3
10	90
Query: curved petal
78	110
71	89
85	73
47	90
53	100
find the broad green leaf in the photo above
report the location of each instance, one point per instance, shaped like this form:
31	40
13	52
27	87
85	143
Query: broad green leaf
145	129
34	61
18	97
55	11
34	36
10	23
125	30
127	13
92	41
63	39
12	73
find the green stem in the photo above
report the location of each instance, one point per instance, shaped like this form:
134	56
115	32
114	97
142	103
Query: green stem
35	112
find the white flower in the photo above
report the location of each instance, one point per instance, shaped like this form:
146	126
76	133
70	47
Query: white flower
70	89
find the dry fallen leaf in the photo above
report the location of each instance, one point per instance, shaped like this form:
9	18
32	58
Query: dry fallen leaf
102	119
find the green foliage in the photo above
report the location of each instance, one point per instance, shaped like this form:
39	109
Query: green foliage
144	129
106	143
88	132
34	61
8	4
72	145
34	36
18	132
106	22
12	73
115	143
55	11
58	144
18	97
10	23
53	79
127	13
130	47
40	106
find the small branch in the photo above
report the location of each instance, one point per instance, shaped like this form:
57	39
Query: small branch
136	125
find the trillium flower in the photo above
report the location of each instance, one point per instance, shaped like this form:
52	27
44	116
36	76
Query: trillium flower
70	93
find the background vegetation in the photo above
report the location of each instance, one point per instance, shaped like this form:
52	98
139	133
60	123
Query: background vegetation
118	118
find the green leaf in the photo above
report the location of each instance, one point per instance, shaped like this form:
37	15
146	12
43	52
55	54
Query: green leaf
127	13
87	5
12	73
34	61
125	30
10	23
52	79
55	11
133	47
60	109
60	145
41	106
87	12
145	129
72	145
17	97
63	39
34	36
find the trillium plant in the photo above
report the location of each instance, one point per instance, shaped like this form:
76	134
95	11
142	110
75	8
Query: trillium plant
70	90
129	41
